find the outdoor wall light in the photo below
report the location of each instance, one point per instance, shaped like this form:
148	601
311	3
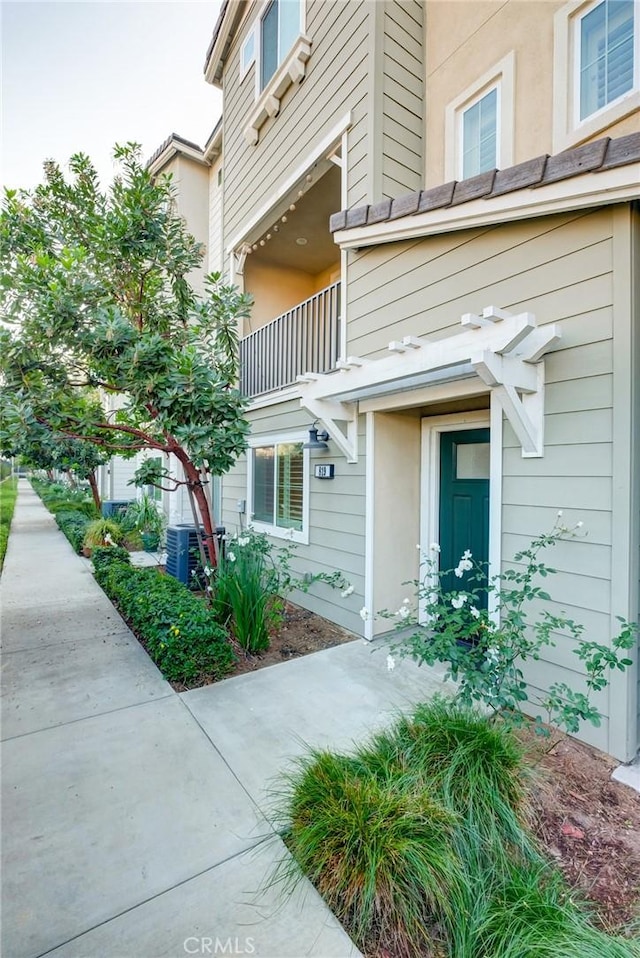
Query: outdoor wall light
317	440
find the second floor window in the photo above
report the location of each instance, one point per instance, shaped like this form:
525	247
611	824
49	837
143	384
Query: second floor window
279	27
479	135
606	54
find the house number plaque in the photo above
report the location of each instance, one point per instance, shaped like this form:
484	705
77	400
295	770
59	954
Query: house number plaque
325	470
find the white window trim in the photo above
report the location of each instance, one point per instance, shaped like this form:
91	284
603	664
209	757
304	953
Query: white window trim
258	47
568	129
502	77
252	35
290	72
272	530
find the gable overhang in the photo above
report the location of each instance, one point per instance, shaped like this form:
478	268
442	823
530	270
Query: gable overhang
172	147
589	190
231	14
501	353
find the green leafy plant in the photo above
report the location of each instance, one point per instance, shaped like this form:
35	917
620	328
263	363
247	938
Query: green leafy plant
144	517
103	532
74	525
251	584
485	653
178	631
102	557
97	302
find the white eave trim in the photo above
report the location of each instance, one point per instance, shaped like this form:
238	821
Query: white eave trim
322	149
291	70
176	148
581	192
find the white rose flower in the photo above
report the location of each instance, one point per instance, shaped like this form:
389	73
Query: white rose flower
474	612
434	547
347	592
404	612
231	556
364	614
458	601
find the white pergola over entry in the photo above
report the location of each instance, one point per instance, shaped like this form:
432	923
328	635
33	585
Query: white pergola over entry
504	350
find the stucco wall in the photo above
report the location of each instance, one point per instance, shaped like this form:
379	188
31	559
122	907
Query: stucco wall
465	40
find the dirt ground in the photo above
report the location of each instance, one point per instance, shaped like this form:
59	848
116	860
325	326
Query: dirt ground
591	826
303	632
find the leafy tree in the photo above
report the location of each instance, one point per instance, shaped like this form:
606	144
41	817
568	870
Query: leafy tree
40	447
96	293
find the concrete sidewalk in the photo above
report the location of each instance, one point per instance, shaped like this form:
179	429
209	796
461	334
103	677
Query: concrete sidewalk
133	818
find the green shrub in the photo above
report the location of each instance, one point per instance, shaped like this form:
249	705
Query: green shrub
103	532
379	851
74	525
179	632
104	556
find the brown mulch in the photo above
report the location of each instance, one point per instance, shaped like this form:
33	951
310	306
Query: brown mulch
302	633
591	826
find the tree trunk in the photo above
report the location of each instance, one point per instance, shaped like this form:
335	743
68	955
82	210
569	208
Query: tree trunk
193	478
94	490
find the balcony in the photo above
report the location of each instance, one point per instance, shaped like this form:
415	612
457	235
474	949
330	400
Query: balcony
304	339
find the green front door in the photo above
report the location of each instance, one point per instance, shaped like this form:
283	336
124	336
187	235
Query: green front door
464	502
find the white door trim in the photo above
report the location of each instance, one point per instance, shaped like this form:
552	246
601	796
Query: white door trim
432	429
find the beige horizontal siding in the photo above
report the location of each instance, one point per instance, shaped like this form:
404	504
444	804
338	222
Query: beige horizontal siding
425	287
335	82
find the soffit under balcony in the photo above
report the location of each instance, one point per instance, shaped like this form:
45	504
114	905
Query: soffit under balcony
310	221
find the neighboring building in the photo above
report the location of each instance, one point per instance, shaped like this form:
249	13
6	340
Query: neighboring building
472	336
196	175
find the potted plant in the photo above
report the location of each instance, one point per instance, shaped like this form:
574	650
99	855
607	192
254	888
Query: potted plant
101	532
144	517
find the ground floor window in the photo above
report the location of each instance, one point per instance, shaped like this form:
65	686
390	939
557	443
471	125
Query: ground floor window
278	487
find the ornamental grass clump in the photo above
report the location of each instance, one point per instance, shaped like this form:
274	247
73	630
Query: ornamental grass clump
250	586
419	843
246	591
379	852
477	768
532	914
102	532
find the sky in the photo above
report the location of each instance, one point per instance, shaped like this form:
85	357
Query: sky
82	76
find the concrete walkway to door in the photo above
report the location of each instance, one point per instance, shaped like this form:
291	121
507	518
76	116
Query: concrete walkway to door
133	818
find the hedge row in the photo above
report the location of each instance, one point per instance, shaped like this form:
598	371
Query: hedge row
178	631
74	525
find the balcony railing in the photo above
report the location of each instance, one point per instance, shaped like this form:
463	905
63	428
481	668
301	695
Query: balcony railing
304	339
